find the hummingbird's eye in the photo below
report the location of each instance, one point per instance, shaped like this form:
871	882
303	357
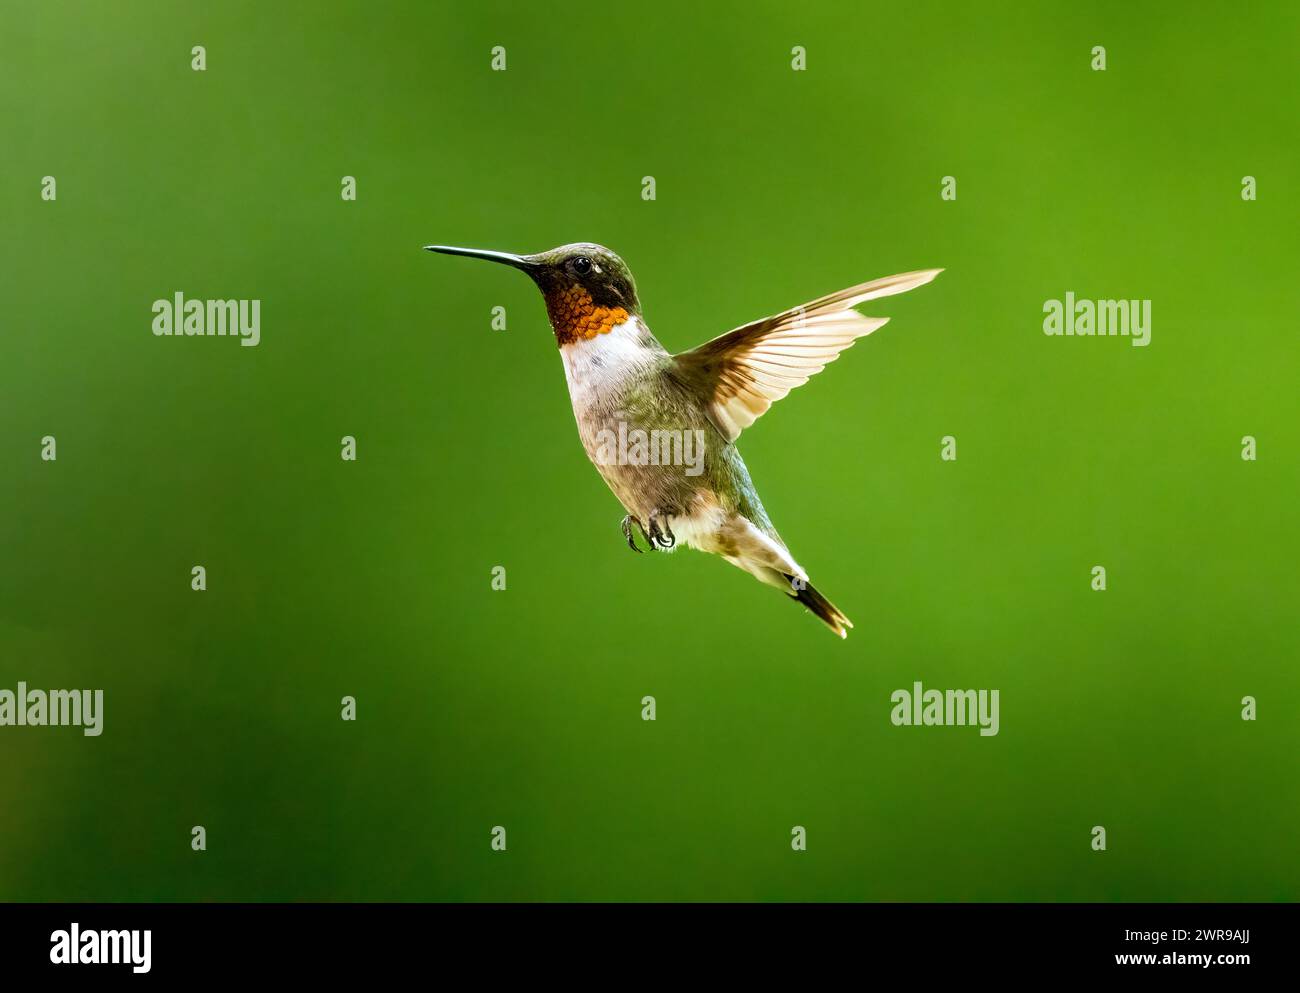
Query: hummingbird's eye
582	265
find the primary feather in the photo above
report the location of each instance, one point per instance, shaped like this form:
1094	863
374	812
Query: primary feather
743	372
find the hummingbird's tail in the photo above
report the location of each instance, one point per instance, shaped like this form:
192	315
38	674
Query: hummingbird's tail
761	553
827	612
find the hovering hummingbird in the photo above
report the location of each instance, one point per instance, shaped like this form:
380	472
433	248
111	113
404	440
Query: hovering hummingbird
623	383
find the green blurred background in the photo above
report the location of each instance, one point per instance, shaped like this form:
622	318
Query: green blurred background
522	708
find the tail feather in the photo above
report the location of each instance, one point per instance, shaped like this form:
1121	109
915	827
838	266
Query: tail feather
825	611
761	553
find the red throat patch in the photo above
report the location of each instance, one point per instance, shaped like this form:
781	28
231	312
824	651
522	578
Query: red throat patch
575	316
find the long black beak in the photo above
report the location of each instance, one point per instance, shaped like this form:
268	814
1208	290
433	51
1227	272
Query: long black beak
518	261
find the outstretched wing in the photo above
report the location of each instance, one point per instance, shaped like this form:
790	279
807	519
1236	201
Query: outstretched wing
743	372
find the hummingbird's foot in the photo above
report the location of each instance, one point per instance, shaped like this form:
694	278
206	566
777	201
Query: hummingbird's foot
661	536
627	534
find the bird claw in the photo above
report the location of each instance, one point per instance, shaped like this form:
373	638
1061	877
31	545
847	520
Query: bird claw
657	531
661	537
627	533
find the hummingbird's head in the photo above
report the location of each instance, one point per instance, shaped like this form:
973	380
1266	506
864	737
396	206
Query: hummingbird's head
588	289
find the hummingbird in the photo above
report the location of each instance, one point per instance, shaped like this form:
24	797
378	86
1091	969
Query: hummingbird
681	479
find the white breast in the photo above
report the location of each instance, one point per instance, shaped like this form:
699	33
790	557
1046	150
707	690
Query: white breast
594	367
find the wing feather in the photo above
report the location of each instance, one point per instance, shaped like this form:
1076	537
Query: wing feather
743	372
